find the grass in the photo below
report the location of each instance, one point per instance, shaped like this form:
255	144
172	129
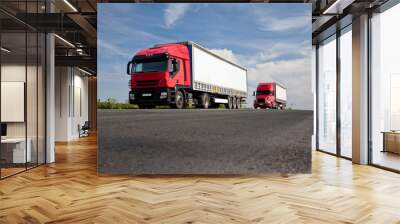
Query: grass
111	103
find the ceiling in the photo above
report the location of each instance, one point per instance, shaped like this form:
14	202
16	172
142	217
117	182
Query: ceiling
330	15
75	21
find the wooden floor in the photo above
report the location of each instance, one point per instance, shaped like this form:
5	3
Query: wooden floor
5	172
70	191
387	159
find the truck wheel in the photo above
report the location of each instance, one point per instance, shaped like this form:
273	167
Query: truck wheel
205	100
189	101
234	105
230	103
238	103
179	100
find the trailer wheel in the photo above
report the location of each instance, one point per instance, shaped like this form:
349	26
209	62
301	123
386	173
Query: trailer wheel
179	100
234	103
205	100
230	103
238	103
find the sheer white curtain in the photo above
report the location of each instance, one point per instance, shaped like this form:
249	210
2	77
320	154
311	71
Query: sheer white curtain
346	92
327	95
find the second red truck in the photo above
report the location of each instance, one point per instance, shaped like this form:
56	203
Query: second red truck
270	95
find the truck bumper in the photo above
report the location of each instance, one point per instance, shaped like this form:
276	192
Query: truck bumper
262	105
158	96
258	105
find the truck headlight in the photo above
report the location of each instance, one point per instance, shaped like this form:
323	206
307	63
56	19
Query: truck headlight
131	96
163	95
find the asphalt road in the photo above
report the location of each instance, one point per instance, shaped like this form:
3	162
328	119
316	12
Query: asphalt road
167	141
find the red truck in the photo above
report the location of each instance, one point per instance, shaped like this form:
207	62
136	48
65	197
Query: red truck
185	74
270	95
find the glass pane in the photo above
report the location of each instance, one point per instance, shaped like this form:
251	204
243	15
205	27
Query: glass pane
327	96
346	93
23	92
32	98
41	98
385	114
13	87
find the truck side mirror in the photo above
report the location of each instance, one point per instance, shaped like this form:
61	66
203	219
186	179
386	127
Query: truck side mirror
128	68
254	93
174	67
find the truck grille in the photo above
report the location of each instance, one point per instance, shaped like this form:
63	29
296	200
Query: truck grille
147	82
260	101
143	95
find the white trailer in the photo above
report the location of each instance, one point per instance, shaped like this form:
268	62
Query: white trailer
280	94
219	74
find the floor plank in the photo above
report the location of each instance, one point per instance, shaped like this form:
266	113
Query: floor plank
70	191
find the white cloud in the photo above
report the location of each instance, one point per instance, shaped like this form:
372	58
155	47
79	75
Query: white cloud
265	50
174	12
269	20
270	52
112	49
226	53
284	24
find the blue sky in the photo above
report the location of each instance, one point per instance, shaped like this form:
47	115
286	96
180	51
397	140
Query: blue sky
272	40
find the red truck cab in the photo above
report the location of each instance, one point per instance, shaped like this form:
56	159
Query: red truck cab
270	95
156	72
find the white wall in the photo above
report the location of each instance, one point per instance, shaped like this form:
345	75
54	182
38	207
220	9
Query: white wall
33	126
80	109
13	101
17	73
71	87
14	73
62	83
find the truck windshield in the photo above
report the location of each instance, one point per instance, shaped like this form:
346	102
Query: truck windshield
264	92
151	66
